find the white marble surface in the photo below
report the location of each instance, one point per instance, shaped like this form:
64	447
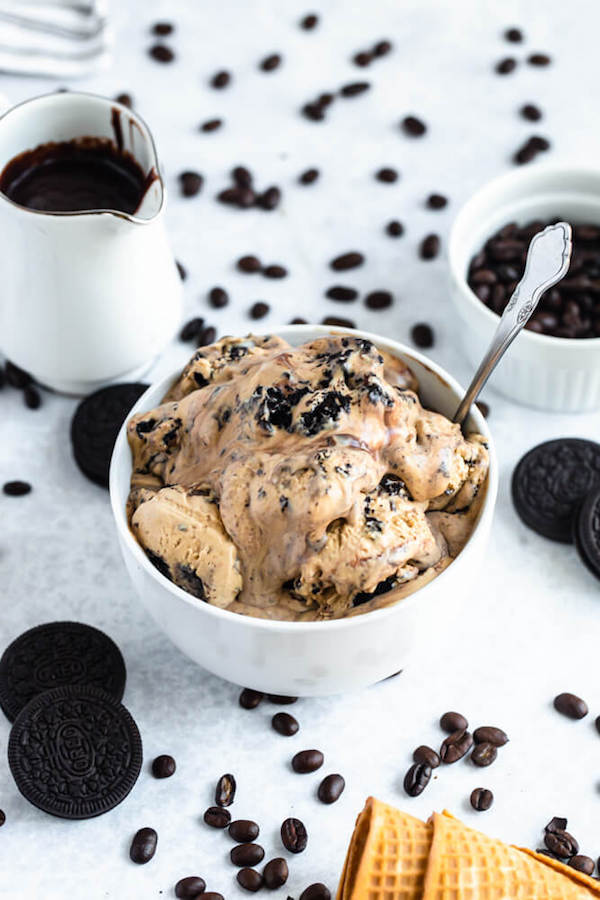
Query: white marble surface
532	625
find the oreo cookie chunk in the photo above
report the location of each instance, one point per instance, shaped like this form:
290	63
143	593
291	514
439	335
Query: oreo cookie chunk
587	532
550	482
96	424
57	654
75	752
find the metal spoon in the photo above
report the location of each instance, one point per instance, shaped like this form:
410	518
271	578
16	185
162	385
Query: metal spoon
547	262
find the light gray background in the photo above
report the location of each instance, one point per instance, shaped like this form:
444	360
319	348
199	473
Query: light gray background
532	625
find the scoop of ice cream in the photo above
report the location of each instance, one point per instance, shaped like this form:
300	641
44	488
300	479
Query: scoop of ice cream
324	483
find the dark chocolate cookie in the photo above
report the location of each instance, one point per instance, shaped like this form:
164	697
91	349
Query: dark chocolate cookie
57	654
550	482
587	532
95	426
75	752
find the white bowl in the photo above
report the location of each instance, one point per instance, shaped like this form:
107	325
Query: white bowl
307	658
557	374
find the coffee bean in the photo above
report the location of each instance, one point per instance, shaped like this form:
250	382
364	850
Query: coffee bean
514	35
161	53
271	62
181	269
429	247
309	176
338	322
484	754
331	788
218	297
539	59
211	125
2	378
189	888
163	766
571	706
246	855
191	183
530	112
212	895
561	843
539	143
32	397
143	846
217	817
413	126
249	264
207	336
341	294
597	724
284	724
506	65
298	320
453	721
125	100
386	175
382	48
582	864
220	79
192	328
259	310
16	377
416	779
242	176
394	228
422	335
325	99
437	201
2	817
163	28
269	199
316	891
275	271
313	111
281	699
307	761
293	835
309	21
354	88
362	59
16	488
225	790
379	300
244	831
524	154
481	799
345	261
275	873
490	735
556	823
426	755
250	879
455	746
250	699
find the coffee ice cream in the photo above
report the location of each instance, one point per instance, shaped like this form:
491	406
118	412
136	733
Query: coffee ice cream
301	483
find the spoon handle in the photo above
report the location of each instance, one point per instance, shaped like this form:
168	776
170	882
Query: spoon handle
547	262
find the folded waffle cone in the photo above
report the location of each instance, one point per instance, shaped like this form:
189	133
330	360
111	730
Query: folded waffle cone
393	856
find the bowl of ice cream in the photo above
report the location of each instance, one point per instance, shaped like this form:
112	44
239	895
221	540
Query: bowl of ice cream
297	510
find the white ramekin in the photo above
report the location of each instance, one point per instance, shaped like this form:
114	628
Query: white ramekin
311	658
557	374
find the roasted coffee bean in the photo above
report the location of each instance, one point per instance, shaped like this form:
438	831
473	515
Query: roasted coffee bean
275	271
163	28
394	228
583	864
506	65
271	62
556	823
481	799
189	888
259	310
207	336
2	817
331	788
422	335
217	817
539	59
453	721
211	125
307	761
354	88
2	378
539	143
247	855
218	297
379	300
275	873
163	766
429	247
244	831
345	261
212	895
16	488
269	199
524	154
426	755
325	98
16	377
382	48
143	846
413	126
250	699
32	397
229	196
571	706
386	175
125	100
250	879
597	724
249	264
362	59
191	183
530	112
483	407
561	843
484	754
455	746
309	22
338	322
293	835
309	176
514	35
161	53
220	79
316	891
284	724
437	201
487	734
416	779
242	176
225	790
313	111
281	699
181	269
341	294
298	320
192	328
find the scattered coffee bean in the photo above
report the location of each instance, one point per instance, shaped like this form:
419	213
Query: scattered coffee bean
244	831
2	378
125	100
455	746
394	228
429	247
539	59
331	788
163	766
416	779
309	21
582	864
484	754
386	175
211	125
556	823
362	59
247	855
307	761
338	322
341	294
271	62
225	790
483	407
16	488
309	176
422	335
259	310
181	269
143	846
490	735
217	817
413	126
212	895
250	699
16	377
426	755
379	300
345	261
382	48
191	183
192	329
514	35
249	264
220	79
242	176
597	724
316	891
298	320
481	799
284	724
275	873
530	149
437	201
313	111
281	699
354	88
561	843
207	336
163	28
32	397
293	835
506	65
270	199
249	879
218	297
161	53
571	706
189	888
530	112
2	817
275	271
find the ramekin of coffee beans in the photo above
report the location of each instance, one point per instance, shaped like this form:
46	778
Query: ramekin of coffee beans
554	363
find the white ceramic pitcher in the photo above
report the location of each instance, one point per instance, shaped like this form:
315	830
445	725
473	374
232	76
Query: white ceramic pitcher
85	297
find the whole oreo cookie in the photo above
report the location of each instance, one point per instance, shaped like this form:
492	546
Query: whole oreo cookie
56	654
75	752
550	482
95	426
587	532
